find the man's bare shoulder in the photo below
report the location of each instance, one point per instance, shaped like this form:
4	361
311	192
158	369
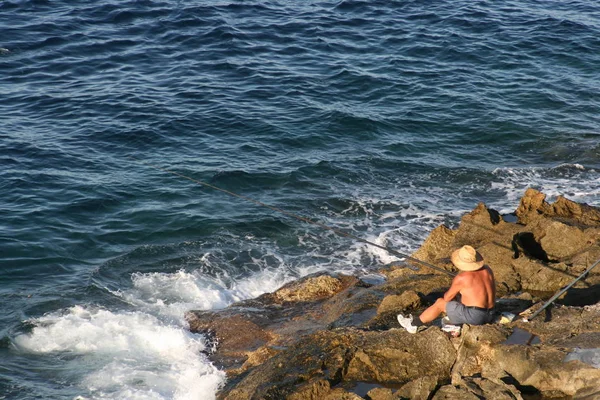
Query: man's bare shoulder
486	270
463	277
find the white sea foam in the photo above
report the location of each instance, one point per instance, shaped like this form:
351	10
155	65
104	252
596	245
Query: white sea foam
574	181
172	294
402	230
149	353
126	355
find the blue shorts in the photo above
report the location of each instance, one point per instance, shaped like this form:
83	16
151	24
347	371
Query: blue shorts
459	314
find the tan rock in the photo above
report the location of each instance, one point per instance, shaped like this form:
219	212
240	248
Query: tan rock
315	357
491	390
583	213
399	271
418	389
544	369
355	306
380	394
543	277
499	259
314	390
312	288
449	392
436	249
396	356
254	358
237	334
532	205
478	227
341	394
476	344
318	336
397	303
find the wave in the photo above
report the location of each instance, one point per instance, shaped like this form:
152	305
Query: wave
126	355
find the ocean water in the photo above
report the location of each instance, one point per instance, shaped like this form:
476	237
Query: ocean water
384	118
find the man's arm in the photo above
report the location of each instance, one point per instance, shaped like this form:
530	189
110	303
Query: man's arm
455	288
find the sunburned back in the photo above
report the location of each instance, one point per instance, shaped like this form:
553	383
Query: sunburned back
478	288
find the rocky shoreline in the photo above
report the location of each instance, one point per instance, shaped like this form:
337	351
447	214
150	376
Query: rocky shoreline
329	336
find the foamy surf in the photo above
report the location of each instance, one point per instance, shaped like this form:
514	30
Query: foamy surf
574	181
170	295
147	353
125	355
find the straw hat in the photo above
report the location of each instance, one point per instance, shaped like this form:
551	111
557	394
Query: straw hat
467	259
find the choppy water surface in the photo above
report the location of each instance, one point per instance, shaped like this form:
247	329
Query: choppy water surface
383	118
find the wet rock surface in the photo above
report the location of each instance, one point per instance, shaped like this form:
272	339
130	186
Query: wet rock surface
332	336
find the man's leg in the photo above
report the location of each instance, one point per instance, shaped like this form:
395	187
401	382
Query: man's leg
427	316
433	311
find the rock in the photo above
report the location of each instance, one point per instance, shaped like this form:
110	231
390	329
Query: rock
392	356
418	389
476	344
353	307
314	390
533	205
398	303
548	248
491	390
420	284
436	249
500	259
235	334
542	277
566	327
251	331
341	394
320	356
313	287
560	241
396	356
380	394
583	213
542	368
477	226
449	392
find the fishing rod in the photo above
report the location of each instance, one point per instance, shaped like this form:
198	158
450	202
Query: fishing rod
298	217
557	295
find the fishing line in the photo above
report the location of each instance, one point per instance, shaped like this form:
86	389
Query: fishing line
298	217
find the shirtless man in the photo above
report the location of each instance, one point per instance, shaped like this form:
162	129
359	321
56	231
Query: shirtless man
477	289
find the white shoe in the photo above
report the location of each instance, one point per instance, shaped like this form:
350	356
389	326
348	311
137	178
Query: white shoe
450	328
406	323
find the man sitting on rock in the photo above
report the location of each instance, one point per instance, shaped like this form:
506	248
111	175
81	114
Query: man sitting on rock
477	290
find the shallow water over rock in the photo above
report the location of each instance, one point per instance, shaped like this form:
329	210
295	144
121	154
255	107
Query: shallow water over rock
521	336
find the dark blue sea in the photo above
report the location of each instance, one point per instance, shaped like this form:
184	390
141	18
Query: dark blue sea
381	118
